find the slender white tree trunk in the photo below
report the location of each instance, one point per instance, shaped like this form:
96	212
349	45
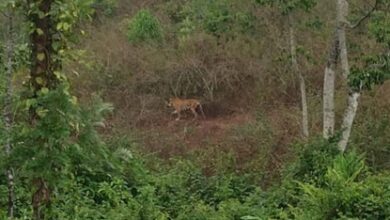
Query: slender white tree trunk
349	117
7	113
328	93
342	13
338	48
302	84
353	97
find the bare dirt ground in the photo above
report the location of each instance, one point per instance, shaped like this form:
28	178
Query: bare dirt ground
185	135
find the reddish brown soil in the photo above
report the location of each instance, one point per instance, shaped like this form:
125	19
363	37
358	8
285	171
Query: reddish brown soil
180	137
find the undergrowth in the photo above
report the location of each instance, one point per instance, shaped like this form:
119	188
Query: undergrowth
320	184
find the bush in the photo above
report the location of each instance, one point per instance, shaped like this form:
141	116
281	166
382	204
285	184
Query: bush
106	7
144	27
349	192
218	18
313	161
372	135
342	188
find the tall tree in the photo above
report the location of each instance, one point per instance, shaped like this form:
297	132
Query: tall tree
376	70
43	65
329	84
7	110
288	9
350	112
338	49
302	83
353	94
53	119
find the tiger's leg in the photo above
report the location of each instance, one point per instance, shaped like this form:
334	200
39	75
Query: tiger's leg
178	115
194	113
174	113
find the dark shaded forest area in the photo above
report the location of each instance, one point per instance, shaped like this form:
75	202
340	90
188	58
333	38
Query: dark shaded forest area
195	109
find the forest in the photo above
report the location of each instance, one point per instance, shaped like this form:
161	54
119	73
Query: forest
195	109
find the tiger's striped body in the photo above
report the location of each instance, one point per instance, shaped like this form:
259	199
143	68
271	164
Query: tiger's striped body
181	105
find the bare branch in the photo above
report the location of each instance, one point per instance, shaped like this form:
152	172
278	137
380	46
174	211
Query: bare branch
366	15
4	14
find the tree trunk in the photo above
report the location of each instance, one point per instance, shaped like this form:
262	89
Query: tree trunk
7	112
329	86
302	85
342	13
43	65
353	97
338	48
349	116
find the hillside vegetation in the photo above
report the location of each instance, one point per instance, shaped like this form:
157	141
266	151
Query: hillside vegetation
232	55
88	134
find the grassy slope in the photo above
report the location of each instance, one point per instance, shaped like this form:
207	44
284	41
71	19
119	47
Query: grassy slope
251	123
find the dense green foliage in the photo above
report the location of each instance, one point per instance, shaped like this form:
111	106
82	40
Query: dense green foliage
144	27
223	51
319	185
376	69
219	18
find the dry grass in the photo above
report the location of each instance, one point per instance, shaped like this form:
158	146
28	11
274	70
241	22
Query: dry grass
235	79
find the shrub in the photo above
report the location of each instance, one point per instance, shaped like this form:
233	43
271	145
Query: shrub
313	161
349	192
144	27
181	191
341	189
372	135
217	18
106	7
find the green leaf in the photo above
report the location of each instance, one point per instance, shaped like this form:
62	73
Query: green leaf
31	102
41	56
39	31
40	81
44	90
41	112
59	25
41	15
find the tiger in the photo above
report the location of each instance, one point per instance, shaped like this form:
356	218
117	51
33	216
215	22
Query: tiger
181	105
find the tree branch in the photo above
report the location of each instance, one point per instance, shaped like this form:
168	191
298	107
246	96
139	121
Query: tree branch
4	14
366	15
